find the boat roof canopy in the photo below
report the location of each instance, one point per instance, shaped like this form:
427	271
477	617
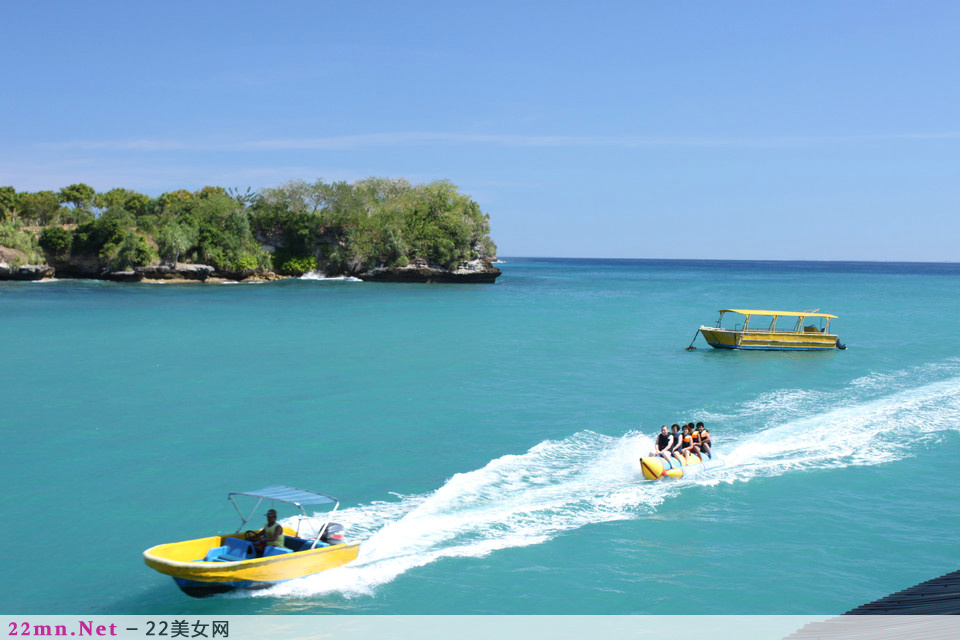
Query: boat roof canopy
287	494
793	314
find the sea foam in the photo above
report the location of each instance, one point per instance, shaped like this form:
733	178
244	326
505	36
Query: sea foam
316	275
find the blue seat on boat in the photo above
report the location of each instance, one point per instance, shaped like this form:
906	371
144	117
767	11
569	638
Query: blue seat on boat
237	549
296	544
299	544
214	554
275	551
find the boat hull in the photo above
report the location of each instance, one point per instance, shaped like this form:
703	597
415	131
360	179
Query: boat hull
656	467
768	340
199	578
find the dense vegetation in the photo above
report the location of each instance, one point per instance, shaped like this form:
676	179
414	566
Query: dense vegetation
339	227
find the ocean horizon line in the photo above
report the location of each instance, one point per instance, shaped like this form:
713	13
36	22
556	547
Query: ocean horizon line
506	258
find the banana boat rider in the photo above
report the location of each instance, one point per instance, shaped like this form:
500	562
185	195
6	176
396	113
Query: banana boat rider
665	442
694	439
704	440
688	444
677	442
680	454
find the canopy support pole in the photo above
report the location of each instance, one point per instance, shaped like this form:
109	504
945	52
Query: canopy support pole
324	527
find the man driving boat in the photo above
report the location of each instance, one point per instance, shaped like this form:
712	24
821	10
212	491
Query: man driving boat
271	535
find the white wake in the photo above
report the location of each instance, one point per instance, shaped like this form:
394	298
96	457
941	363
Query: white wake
557	486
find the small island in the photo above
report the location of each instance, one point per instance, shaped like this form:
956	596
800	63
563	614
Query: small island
376	229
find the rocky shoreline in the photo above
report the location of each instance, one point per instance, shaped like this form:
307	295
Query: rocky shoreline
478	271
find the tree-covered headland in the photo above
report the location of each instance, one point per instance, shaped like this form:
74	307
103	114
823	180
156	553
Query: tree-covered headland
372	226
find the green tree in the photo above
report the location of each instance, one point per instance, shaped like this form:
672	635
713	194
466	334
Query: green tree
343	205
56	240
41	207
373	221
438	225
14	236
224	236
137	203
176	202
120	198
174	240
133	250
91	237
79	195
298	196
243	198
209	192
382	190
289	264
8	203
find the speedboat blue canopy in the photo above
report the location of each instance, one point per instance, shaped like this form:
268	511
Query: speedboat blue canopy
289	495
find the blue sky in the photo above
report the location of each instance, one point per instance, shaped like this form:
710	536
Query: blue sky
754	130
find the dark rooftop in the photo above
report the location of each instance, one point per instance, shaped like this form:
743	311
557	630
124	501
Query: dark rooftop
940	596
911	614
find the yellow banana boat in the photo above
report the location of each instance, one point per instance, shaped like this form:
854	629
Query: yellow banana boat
656	467
216	564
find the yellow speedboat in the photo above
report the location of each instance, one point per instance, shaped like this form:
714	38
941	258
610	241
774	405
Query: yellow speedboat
216	564
759	330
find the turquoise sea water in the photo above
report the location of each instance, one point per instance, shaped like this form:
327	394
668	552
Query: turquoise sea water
483	439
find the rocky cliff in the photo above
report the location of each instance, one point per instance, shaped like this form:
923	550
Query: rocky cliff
477	271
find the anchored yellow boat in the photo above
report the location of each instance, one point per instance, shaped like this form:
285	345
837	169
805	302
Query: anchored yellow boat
216	564
758	329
